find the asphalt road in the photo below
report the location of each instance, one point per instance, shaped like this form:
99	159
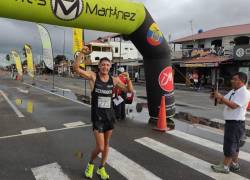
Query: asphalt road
43	135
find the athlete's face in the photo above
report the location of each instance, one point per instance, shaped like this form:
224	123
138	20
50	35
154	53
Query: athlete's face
104	67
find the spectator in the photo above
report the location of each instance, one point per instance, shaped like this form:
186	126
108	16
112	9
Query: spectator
236	102
119	97
136	76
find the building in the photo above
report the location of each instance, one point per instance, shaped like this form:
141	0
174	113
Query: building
99	50
123	53
223	50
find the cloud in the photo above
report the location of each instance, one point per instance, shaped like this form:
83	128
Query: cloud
174	16
171	16
14	34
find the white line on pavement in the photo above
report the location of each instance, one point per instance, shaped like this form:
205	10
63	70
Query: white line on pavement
34	131
186	159
52	130
206	143
248	112
58	95
128	168
215	131
208	129
49	172
68	90
74	124
218	120
22	90
19	114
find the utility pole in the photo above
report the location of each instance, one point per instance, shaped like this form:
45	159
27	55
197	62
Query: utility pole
192	31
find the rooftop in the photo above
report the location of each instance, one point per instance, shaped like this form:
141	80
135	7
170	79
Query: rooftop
218	32
208	59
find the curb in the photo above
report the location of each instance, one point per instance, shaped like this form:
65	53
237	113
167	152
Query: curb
215	123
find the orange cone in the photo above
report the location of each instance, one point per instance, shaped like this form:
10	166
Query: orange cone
162	120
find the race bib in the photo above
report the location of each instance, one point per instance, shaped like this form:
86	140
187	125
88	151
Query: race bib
104	102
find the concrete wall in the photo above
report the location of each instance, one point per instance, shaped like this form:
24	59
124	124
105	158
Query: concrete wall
98	55
128	50
225	41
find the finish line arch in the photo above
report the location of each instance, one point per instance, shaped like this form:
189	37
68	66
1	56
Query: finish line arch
130	19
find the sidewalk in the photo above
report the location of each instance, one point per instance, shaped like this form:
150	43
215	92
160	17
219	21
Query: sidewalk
179	86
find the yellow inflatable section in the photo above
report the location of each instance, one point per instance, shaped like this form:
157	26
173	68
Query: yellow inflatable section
119	16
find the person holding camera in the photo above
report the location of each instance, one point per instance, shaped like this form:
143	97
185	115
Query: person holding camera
235	102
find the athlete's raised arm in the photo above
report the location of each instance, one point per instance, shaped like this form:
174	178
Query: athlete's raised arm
89	75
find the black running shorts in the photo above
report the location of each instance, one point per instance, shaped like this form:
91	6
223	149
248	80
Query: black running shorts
233	133
102	126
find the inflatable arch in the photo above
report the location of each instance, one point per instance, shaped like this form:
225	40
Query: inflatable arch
130	19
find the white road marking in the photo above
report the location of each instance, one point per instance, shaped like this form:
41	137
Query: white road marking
248	112
186	159
128	168
52	130
206	143
34	131
68	90
19	114
218	120
58	95
74	124
214	130
208	129
22	90
49	172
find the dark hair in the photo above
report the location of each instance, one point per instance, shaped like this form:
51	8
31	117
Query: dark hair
242	76
104	59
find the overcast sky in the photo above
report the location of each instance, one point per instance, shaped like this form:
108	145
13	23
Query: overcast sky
172	16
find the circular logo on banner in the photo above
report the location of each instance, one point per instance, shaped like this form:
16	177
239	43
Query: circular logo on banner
166	81
240	52
67	9
154	35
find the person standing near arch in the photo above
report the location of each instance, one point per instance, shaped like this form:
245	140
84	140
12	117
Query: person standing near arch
235	102
102	114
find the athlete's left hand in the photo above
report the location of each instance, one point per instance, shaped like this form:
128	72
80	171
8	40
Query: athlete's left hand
126	75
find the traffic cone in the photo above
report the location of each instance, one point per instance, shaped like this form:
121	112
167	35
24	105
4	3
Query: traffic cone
162	120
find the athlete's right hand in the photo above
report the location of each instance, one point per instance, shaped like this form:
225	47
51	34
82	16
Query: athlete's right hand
85	50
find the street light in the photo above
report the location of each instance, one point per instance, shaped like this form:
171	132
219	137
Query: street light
53	89
53	81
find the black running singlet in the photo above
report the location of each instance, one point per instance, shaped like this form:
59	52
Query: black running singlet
101	109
